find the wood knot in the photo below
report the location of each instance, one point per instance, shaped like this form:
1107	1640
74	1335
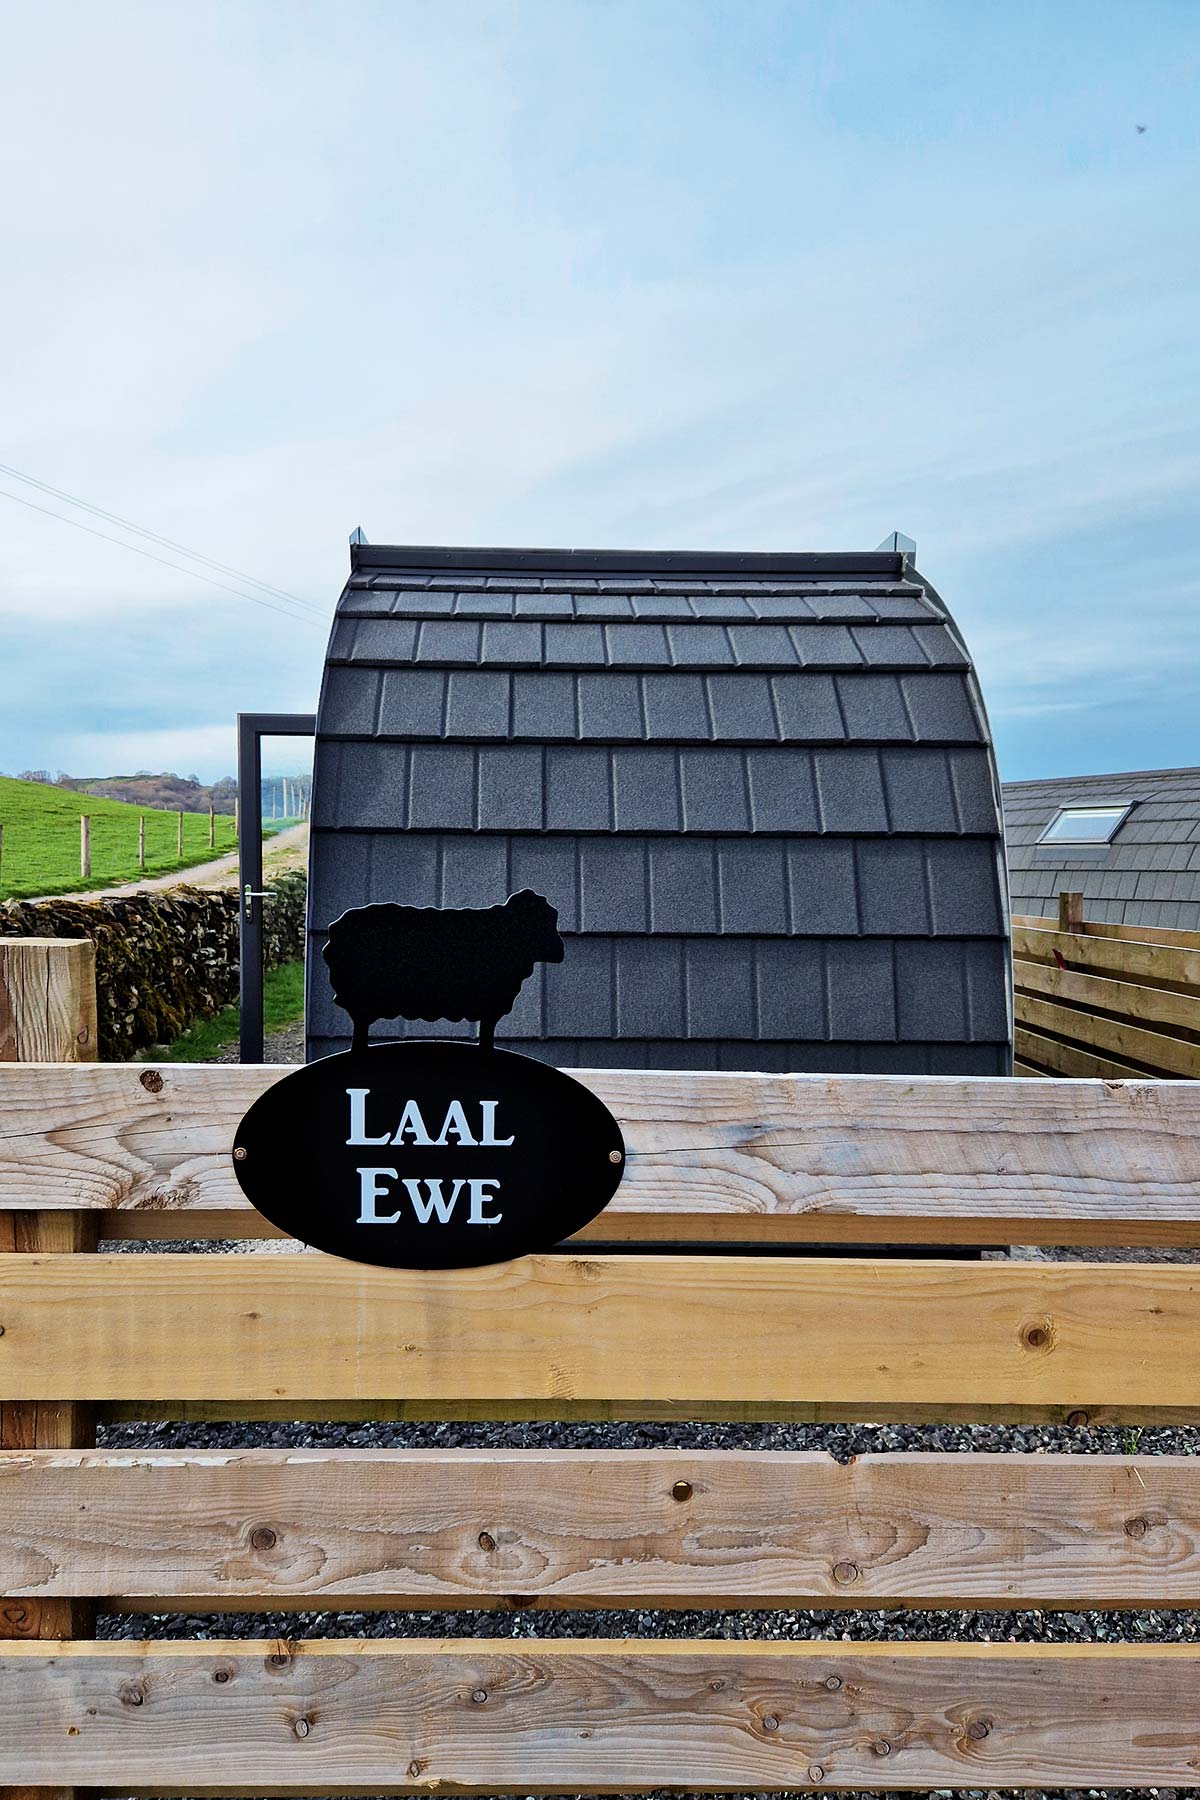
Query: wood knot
479	1697
816	1772
881	1747
151	1080
221	1676
770	1722
1137	1527
1078	1419
132	1694
486	1541
416	1767
979	1729
833	1683
263	1538
15	1615
1038	1334
718	1684
845	1572
302	1727
682	1490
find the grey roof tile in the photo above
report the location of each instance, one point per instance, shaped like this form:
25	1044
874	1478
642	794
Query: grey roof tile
683	895
972	777
510	787
448	641
544	706
861	988
649	988
964	886
873	707
637	646
406	868
514	641
920	795
543	606
931	999
613	889
850	790
478	703
941	707
350	701
675	707
578	789
753	886
700	646
808	708
719	975
576	646
826	646
791	989
661	606
762	646
892	889
782	790
474	870
343	876
362	785
822	887
940	646
610	707
580	991
890	646
645	790
413	703
713	790
741	707
442	787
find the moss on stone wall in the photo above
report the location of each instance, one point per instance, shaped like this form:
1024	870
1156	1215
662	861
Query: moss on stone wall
164	958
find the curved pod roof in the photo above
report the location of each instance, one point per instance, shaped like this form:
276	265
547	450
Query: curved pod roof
759	789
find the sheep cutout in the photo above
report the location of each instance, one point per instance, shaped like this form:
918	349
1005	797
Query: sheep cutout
424	962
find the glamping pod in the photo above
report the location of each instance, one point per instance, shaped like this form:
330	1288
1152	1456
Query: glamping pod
758	789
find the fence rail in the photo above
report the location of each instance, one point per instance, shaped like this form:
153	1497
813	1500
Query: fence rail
693	1330
1113	1002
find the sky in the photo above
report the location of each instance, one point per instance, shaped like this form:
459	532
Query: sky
616	273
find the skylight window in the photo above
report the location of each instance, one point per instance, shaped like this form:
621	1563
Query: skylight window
1085	824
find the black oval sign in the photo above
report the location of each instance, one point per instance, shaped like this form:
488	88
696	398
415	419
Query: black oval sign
429	1155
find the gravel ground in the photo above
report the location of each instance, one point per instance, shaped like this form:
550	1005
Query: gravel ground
841	1441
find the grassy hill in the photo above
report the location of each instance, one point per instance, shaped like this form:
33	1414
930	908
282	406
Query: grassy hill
41	840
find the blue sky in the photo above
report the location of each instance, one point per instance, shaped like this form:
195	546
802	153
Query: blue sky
654	274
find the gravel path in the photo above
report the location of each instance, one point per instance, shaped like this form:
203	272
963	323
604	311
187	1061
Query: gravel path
841	1441
285	850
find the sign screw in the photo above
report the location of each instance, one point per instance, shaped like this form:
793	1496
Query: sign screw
614	1156
681	1490
239	1154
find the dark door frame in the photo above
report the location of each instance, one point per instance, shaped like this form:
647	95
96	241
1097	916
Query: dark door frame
251	729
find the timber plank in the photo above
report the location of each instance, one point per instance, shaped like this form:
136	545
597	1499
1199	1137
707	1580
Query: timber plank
635	1328
598	1717
712	1157
1156	1007
1068	1060
1141	934
620	1528
1120	958
1152	1048
48	1000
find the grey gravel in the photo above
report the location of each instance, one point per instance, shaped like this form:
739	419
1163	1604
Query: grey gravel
841	1441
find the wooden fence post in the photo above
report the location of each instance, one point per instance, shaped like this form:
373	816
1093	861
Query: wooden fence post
85	844
1070	912
141	840
1	852
48	1000
212	827
179	838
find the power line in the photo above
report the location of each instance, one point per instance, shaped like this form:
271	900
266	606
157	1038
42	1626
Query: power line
193	574
155	537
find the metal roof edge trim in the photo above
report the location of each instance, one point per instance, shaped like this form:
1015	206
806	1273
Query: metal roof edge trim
871	564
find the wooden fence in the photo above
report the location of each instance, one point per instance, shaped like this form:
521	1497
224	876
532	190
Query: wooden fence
1112	1002
668	1307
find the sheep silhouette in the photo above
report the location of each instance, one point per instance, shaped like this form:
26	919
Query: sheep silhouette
423	962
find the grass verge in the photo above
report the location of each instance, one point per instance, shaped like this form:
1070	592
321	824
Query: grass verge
283	1004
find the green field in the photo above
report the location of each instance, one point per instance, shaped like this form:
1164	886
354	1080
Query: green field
41	840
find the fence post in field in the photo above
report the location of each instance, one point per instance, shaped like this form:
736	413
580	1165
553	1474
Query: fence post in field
1070	912
1	852
47	1000
212	827
47	1014
85	844
236	814
141	840
179	837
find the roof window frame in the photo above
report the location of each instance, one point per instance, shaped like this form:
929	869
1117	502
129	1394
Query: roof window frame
1122	811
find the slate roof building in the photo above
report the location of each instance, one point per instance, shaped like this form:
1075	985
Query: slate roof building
759	789
1130	844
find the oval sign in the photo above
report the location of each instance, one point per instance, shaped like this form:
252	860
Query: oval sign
429	1155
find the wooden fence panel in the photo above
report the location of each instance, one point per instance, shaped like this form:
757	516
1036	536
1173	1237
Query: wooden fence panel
599	1716
220	1530
712	1157
554	1329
